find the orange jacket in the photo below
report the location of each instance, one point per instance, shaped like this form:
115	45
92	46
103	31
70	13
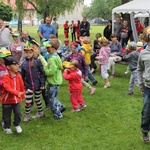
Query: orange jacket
11	88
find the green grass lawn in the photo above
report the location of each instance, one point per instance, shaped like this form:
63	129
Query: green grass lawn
111	120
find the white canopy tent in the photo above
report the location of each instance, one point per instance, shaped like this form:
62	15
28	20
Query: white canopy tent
132	8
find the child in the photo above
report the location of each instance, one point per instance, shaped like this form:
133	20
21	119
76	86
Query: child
82	65
12	95
86	51
74	76
103	58
132	57
37	55
54	78
34	79
144	84
65	50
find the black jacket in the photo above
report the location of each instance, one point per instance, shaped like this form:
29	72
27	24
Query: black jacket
85	29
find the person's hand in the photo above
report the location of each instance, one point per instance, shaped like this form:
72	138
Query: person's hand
42	87
20	93
142	89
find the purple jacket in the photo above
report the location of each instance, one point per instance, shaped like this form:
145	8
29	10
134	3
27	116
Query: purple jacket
82	65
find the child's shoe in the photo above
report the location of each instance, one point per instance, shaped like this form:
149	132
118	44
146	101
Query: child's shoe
75	110
126	72
107	85
145	137
112	75
92	90
83	106
8	131
39	115
18	129
57	118
27	117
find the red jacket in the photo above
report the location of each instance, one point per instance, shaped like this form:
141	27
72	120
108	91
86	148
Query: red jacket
11	88
74	78
66	27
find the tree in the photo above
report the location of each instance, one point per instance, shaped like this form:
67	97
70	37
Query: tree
6	12
53	7
101	8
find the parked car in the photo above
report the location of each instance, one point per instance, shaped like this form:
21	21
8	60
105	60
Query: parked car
14	23
100	21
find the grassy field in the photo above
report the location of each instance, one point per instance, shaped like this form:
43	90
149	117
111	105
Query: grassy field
111	120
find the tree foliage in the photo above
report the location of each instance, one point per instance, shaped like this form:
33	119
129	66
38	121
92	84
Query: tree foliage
101	8
6	12
53	7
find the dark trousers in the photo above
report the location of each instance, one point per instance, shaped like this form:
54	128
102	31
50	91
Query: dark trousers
6	114
73	35
93	64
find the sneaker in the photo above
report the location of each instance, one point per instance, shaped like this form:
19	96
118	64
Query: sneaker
83	106
92	90
57	118
27	117
107	85
18	129
39	115
145	137
130	93
112	75
75	110
62	109
8	131
95	82
126	72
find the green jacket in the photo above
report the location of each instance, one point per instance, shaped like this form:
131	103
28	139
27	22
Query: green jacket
53	70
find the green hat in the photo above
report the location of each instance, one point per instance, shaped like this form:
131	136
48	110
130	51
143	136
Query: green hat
16	34
2	55
47	44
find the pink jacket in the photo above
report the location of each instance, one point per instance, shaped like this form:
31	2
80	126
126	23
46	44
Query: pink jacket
103	56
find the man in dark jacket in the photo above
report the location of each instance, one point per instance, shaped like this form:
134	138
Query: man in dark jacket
85	27
26	37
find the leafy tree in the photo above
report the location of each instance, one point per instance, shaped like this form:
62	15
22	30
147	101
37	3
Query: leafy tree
101	8
53	7
6	12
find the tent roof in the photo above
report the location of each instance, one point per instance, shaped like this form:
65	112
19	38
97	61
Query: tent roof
136	6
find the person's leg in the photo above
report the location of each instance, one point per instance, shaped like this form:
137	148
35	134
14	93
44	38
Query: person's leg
6	112
91	77
37	100
55	104
74	36
131	84
29	98
17	114
145	120
93	66
135	74
45	97
73	99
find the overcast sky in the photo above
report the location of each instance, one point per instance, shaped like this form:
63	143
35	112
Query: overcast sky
87	2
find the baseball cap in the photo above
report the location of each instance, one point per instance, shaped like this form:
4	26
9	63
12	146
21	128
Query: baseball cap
139	44
10	60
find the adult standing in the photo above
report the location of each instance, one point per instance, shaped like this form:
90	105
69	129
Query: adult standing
66	29
56	26
78	29
85	27
4	35
108	30
117	28
45	30
73	31
139	26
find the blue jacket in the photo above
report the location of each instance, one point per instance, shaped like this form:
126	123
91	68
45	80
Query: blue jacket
33	77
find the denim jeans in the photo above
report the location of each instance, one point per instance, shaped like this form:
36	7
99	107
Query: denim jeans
90	75
145	122
133	80
55	104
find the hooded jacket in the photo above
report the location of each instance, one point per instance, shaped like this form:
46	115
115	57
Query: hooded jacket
74	78
33	77
103	55
11	88
144	68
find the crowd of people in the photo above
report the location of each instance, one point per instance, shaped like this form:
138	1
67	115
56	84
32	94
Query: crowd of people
29	69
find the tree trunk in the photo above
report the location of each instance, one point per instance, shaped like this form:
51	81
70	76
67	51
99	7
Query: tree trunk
20	24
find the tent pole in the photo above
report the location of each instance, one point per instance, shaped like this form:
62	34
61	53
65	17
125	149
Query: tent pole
149	19
134	32
112	22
